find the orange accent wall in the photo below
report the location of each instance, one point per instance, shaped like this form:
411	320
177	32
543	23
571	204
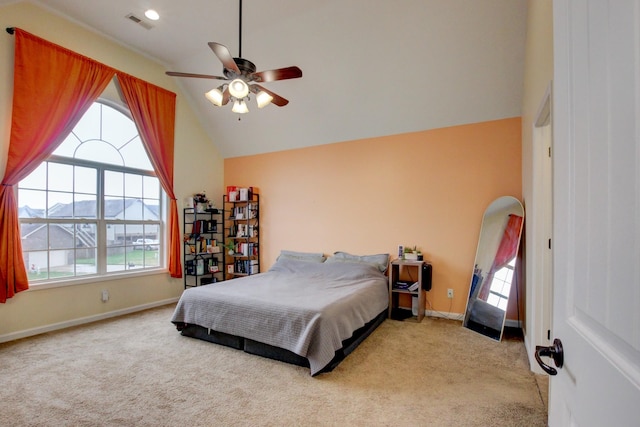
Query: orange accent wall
427	189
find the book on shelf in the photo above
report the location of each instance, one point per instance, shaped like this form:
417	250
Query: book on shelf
211	226
254	267
246	249
230	189
198	227
253	211
190	267
401	286
243	249
241	194
238	212
212	265
245	266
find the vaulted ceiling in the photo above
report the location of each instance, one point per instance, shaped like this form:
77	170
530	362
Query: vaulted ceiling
370	67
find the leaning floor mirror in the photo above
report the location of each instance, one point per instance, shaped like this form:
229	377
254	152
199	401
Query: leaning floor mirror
494	267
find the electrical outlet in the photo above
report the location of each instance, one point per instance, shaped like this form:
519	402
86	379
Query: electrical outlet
105	295
449	293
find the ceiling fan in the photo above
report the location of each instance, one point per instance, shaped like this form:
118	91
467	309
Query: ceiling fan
243	78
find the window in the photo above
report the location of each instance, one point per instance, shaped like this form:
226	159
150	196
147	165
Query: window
94	207
501	286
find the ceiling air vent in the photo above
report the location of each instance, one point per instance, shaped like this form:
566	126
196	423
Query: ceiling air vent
131	17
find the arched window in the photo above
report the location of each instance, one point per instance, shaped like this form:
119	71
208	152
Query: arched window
95	206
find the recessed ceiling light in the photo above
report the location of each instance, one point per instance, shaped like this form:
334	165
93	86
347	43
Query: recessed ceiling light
152	14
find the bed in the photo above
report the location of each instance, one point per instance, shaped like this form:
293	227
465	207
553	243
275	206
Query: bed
300	311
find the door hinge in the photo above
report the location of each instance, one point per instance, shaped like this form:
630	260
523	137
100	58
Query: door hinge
549	151
549	334
549	243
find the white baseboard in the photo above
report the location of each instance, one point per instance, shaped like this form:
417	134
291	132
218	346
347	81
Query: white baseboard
441	314
82	320
444	315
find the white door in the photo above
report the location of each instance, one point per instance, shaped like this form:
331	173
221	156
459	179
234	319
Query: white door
596	225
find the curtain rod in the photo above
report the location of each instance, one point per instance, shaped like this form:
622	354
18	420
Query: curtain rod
10	30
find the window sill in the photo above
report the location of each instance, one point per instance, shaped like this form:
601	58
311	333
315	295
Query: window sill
94	279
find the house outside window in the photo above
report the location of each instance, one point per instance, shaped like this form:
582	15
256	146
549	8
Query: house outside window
95	207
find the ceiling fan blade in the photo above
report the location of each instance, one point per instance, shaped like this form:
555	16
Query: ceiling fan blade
224	56
277	99
279	74
198	76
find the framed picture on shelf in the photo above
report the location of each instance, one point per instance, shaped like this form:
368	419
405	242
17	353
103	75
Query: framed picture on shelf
200	267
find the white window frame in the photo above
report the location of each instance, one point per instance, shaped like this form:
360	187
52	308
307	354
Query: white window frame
101	222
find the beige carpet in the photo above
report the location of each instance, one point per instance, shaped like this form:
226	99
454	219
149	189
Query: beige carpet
137	370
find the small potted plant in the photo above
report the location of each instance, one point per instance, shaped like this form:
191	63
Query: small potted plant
410	254
230	247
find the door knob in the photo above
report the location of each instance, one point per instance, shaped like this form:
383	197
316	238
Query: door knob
555	352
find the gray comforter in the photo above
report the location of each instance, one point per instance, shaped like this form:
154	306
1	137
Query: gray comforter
307	308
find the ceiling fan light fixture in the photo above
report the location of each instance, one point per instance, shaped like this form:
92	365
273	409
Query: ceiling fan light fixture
238	88
240	77
240	107
263	99
215	97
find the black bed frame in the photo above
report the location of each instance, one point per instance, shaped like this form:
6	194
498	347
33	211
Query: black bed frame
277	353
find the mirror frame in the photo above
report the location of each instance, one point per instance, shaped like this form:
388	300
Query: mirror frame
499	238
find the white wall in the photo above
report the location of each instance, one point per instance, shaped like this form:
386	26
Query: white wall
39	310
537	79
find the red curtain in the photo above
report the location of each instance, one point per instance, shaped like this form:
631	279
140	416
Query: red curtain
509	243
52	88
153	110
507	251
